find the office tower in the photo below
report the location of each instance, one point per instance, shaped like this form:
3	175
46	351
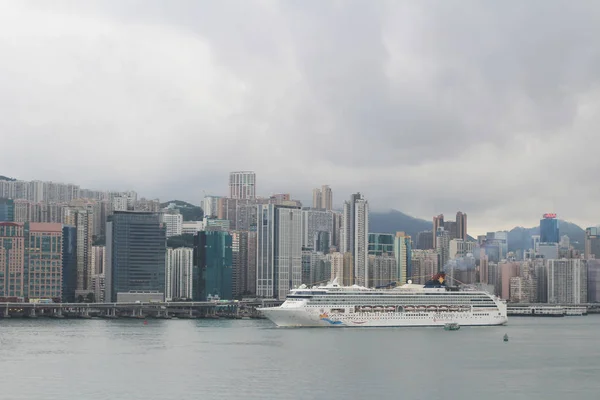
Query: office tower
279	250
178	273
173	221
320	268
424	265
567	281
548	251
425	240
438	222
549	229
461	226
355	235
135	253
317	198
382	270
246	216
12	259
381	243
403	254
43	242
242	185
314	224
7	210
213	266
535	243
592	243
119	203
69	264
83	220
483	267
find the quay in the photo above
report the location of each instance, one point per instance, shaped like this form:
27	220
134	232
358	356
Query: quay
552	310
140	310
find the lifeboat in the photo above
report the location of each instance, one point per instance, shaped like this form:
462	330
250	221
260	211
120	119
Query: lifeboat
443	308
454	308
421	308
465	308
409	308
431	308
391	308
367	308
378	308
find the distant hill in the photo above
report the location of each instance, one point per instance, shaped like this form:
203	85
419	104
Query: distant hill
6	178
189	211
520	238
395	221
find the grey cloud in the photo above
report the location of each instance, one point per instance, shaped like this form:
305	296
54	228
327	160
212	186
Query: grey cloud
428	107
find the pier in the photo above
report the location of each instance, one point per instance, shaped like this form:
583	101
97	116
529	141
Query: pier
552	310
139	310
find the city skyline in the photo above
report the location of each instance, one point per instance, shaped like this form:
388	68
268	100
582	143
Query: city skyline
387	108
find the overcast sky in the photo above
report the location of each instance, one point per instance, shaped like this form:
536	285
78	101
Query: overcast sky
428	107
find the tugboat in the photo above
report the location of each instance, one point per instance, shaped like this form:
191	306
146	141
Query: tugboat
452	326
506	337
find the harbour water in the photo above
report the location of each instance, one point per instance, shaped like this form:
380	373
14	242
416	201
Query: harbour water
549	358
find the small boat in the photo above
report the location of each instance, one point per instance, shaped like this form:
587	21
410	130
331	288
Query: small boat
506	337
452	326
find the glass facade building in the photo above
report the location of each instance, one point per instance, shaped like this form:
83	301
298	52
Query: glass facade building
549	230
69	266
136	248
7	210
381	243
213	265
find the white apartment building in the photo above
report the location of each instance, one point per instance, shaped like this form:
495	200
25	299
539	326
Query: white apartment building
242	185
174	223
178	273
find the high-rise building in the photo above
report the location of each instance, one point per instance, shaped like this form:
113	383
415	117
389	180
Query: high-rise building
244	262
173	222
314	223
382	270
567	281
178	273
135	253
7	210
69	264
461	226
592	243
336	260
425	240
97	272
424	265
460	248
381	243
593	280
403	254
12	259
317	198
355	236
213	266
442	242
43	260
279	250
83	220
210	206
549	232
242	185
438	222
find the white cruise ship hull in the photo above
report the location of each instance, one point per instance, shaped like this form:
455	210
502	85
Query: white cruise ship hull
306	317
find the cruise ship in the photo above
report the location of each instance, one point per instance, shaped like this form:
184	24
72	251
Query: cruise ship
432	304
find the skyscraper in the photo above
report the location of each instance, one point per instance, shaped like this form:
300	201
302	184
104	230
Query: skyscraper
82	219
592	243
69	264
355	235
213	266
12	259
135	253
279	250
178	273
315	222
549	229
403	253
438	222
567	281
43	260
323	198
461	225
242	185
